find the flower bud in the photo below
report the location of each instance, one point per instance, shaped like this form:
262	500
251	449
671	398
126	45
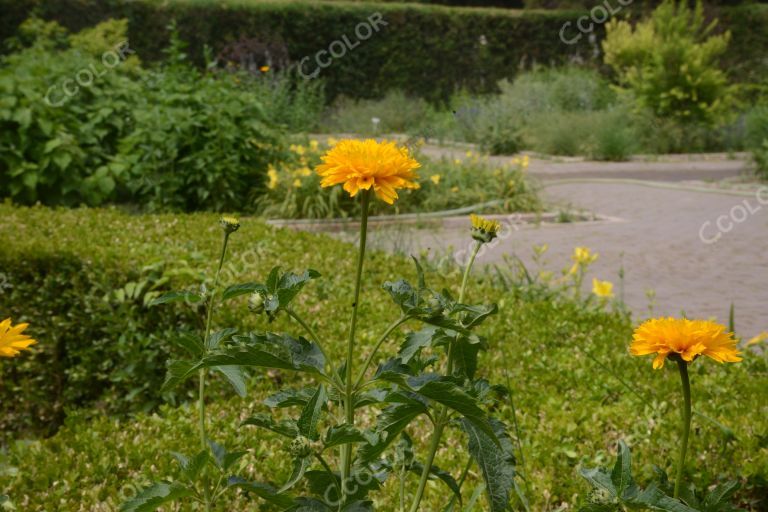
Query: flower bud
484	230
256	302
229	224
300	447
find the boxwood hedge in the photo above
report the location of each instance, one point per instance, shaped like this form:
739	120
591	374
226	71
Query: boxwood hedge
426	50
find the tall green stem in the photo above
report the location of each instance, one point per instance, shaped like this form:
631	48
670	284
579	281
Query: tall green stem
349	409
443	417
201	373
683	367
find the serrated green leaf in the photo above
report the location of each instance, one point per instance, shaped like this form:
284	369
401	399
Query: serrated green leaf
655	499
217	337
621	476
237	290
721	494
496	465
179	371
307	422
300	465
190	342
236	377
263	491
343	434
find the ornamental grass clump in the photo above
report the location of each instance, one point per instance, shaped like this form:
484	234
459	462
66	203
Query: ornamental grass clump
340	459
682	341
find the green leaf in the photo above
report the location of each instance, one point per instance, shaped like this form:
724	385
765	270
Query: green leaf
343	434
496	465
154	496
191	467
441	475
237	290
190	342
655	499
621	476
289	398
465	356
720	495
272	350
178	372
217	337
416	341
290	285
300	465
599	478
176	297
235	376
263	491
307	422
285	428
473	316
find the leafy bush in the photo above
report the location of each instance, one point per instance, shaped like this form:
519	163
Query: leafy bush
396	112
670	63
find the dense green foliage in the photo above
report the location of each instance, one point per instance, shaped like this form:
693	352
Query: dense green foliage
426	50
563	359
109	130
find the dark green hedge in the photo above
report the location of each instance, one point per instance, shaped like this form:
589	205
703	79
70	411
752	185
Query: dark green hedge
426	50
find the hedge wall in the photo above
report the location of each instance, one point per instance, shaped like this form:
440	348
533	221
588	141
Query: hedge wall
426	50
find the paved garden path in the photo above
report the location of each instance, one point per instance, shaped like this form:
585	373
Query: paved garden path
665	235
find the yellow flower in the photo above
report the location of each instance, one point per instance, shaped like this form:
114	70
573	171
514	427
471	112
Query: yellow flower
515	161
305	171
366	164
456	161
484	230
229	224
297	183
299	150
454	189
264	69
12	341
526	162
511	183
584	256
314	144
469	154
435	179
758	339
686	338
332	141
273	178
602	288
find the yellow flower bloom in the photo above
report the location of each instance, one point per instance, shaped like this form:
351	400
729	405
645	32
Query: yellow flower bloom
332	141
484	230
583	256
264	69
758	339
602	289
469	154
314	144
299	150
456	161
526	162
297	183
273	178
435	179
454	189
305	171
12	341
687	338
229	224
362	165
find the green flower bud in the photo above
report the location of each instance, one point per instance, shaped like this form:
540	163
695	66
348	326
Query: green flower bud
300	447
256	302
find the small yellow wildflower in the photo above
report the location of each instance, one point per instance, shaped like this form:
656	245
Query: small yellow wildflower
525	162
454	189
298	149
469	154
484	230
603	289
684	338
264	69
12	341
368	164
456	161
304	171
512	183
313	144
435	179
297	183
758	339
273	178
515	161
332	141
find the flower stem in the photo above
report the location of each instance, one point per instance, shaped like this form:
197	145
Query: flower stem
201	373
683	367
394	325
443	417
349	409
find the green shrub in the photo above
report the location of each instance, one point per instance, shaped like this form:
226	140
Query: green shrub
396	112
171	138
670	62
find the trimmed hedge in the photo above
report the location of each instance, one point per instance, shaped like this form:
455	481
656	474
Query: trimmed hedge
425	50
